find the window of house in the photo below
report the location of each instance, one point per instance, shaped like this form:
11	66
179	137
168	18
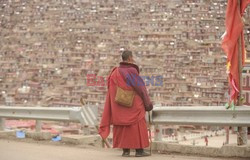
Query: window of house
244	81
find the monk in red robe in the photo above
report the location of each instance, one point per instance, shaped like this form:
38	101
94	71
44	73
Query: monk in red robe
129	124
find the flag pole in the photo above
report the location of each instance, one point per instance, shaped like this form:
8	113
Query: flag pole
242	131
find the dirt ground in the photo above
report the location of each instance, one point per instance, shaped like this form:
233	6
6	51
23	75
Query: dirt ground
28	149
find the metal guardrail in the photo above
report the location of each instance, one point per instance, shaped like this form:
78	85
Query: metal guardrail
201	115
86	115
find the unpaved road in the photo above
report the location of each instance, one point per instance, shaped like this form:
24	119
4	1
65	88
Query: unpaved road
18	150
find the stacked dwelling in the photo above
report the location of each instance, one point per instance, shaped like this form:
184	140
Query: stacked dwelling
49	48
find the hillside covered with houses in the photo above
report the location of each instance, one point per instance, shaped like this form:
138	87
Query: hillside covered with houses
48	48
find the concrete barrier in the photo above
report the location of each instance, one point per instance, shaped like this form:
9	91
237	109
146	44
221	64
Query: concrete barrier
94	140
225	151
39	135
29	134
6	133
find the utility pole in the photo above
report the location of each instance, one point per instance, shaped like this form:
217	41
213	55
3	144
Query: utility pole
242	131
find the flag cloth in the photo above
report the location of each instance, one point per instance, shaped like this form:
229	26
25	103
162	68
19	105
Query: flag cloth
234	29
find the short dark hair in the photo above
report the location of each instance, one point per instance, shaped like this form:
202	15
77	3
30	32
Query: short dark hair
126	54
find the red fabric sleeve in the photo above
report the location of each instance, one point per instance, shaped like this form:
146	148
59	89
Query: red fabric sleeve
104	128
134	80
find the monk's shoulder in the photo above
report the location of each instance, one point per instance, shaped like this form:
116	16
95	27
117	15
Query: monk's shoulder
132	70
112	70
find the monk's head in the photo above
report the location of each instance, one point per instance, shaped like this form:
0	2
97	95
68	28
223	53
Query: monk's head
127	56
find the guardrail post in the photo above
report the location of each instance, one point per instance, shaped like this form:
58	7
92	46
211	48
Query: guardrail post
2	124
38	125
242	136
85	130
227	135
158	133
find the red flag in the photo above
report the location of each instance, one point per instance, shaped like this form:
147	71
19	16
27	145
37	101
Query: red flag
234	29
243	6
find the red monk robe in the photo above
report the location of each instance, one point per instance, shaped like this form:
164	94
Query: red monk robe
129	125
